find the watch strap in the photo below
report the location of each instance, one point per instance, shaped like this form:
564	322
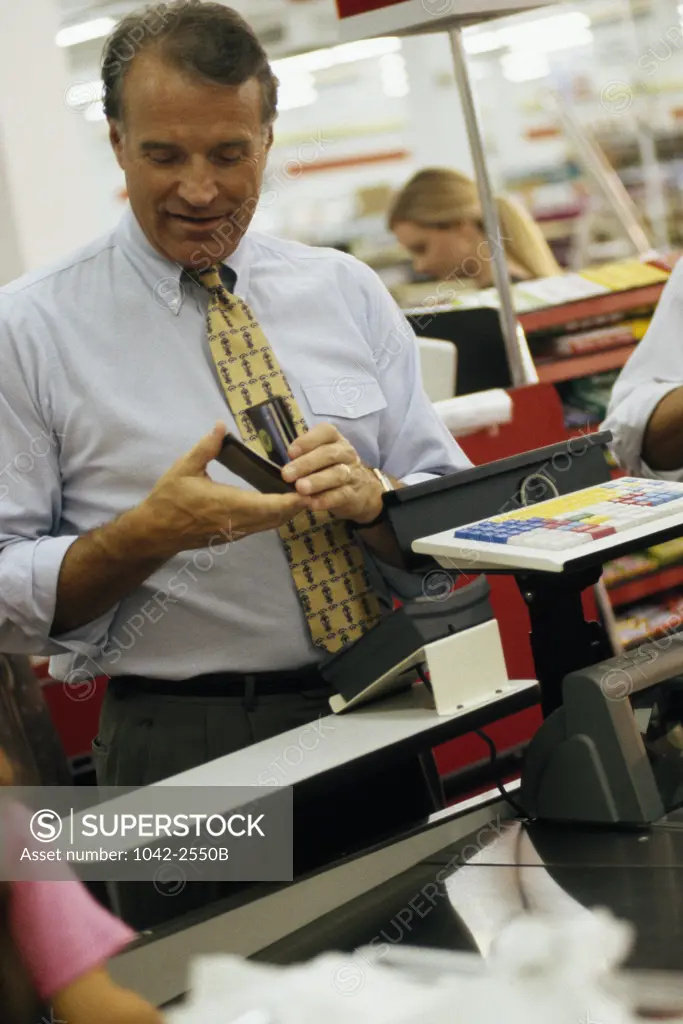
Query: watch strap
386	487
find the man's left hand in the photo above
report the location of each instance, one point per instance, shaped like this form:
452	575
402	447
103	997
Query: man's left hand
327	469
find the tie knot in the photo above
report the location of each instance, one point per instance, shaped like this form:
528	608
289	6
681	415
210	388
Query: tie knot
210	278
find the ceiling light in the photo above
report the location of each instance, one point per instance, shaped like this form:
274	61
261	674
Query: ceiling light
525	67
296	90
483	42
95	112
556	32
394	75
84	31
346	53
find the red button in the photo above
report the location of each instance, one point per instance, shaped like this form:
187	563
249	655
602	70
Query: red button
598	532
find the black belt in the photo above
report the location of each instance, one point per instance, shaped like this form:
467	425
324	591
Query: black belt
223	684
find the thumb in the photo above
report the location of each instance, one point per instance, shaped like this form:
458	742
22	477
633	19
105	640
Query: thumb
197	459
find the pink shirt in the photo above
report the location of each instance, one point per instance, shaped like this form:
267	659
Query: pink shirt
60	930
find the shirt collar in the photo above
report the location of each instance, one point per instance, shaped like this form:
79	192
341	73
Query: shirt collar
162	275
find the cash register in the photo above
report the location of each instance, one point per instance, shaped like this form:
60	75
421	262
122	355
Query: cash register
610	749
588	763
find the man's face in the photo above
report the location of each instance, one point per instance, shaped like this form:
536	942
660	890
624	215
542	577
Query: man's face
193	154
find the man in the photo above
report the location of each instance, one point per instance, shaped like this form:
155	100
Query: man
645	413
210	605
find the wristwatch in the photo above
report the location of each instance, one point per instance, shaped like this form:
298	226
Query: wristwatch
386	486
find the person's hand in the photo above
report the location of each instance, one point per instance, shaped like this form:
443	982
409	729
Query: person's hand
187	510
329	473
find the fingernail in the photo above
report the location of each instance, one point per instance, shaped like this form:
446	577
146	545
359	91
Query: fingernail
294	451
289	473
304	486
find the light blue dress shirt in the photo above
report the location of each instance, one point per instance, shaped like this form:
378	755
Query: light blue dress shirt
107	379
654	369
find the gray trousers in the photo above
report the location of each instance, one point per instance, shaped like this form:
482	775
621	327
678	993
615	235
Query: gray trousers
145	737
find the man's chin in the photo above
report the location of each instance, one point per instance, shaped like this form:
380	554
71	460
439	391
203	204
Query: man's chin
199	252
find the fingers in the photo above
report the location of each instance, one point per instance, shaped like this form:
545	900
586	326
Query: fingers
321	434
336	476
334	454
332	500
197	459
277	508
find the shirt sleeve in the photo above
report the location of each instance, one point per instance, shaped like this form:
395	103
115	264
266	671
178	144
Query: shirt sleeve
62	932
654	369
31	552
415	443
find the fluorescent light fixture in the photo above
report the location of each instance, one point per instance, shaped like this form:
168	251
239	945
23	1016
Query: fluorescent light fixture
525	67
346	53
394	75
95	112
556	32
296	90
483	42
84	31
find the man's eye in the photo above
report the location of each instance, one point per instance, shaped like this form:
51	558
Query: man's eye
229	158
162	158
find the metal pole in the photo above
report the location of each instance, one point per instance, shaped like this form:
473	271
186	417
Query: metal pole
518	356
604	177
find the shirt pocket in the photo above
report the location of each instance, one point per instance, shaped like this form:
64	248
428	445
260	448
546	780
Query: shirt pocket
347	398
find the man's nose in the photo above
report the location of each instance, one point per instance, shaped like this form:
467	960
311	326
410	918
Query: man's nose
198	187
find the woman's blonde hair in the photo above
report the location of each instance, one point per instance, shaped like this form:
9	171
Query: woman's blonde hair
439	197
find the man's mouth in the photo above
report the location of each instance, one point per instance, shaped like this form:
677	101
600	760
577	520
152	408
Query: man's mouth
200	220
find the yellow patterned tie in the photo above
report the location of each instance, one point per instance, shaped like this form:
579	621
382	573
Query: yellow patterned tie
324	557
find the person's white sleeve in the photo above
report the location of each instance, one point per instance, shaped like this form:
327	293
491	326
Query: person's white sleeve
654	369
415	443
31	552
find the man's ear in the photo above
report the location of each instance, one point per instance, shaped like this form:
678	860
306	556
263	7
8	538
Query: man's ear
269	137
116	140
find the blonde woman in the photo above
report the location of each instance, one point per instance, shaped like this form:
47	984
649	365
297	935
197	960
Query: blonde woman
437	216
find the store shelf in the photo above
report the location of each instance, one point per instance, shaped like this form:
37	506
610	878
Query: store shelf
654	635
641	587
573	367
597	306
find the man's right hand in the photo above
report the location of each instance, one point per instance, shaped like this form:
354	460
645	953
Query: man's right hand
186	509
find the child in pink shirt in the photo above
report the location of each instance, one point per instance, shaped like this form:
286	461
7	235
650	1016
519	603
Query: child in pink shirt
55	940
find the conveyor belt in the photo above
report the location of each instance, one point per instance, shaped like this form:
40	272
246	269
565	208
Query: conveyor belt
637	875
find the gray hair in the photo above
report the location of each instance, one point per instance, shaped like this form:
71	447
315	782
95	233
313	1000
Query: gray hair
207	40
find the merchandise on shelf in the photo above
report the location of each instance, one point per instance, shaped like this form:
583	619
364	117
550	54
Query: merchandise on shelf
588	396
623	333
668	553
628	567
651	619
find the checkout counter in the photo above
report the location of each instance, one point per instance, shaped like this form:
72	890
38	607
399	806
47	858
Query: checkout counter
594	820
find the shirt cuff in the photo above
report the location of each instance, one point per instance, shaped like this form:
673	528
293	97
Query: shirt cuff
30	576
418	478
628	423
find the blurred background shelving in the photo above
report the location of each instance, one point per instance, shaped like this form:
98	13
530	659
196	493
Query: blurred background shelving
357	119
